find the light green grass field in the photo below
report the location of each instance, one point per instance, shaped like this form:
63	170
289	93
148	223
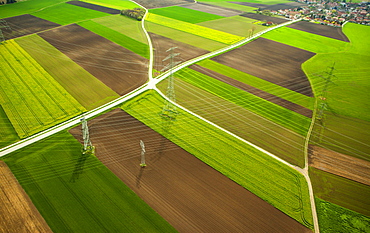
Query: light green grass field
32	99
8	134
307	41
185	14
280	185
125	25
77	193
184	37
26	7
236	25
197	30
115	4
268	2
66	14
115	36
349	93
261	84
85	88
232	112
334	218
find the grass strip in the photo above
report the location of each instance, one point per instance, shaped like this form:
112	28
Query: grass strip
274	182
261	84
64	14
185	14
77	193
117	37
85	88
205	32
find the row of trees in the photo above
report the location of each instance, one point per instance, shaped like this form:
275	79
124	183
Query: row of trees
7	1
136	13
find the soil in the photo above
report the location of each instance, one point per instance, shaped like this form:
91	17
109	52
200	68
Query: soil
24	25
162	44
189	194
94	7
117	67
216	10
274	7
17	212
150	4
272	61
266	18
339	164
322	30
257	92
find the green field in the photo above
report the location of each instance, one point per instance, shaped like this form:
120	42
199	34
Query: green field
341	191
285	117
307	41
343	134
232	112
77	193
334	218
261	84
115	4
184	14
25	7
115	36
32	99
274	182
197	30
348	95
85	88
124	25
8	134
236	25
184	37
66	14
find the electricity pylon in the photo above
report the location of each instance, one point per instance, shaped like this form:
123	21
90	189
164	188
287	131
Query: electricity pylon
142	164
3	24
169	110
323	105
87	147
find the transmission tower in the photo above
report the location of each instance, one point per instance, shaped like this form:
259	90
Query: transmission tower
3	24
142	164
88	147
323	105
169	110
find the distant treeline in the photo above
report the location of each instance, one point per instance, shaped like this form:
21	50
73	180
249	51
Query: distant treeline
7	1
136	13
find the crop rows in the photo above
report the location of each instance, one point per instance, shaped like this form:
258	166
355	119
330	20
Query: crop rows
33	100
208	33
77	193
281	186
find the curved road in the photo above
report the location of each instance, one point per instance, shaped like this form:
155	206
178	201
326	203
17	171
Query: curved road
151	84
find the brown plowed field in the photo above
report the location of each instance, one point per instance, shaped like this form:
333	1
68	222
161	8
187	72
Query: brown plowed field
162	44
339	164
17	212
323	30
272	61
94	7
274	7
189	194
117	67
26	24
266	18
257	92
150	4
216	10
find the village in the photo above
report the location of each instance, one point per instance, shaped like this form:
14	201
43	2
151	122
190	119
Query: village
333	13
